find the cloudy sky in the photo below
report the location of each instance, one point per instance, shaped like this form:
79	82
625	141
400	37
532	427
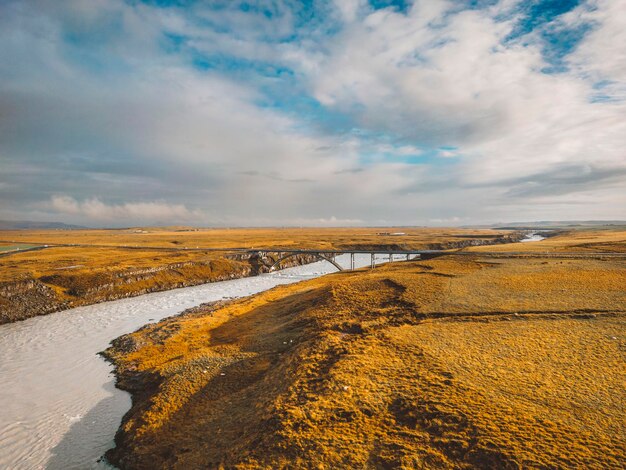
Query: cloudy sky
316	112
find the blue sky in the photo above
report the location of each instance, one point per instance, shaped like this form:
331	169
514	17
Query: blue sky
347	112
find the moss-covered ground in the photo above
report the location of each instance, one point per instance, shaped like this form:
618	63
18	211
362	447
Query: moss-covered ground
455	362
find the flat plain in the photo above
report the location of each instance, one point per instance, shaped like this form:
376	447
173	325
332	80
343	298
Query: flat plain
68	268
454	362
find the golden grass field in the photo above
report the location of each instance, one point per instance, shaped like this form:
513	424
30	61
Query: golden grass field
584	241
179	237
80	267
455	362
107	255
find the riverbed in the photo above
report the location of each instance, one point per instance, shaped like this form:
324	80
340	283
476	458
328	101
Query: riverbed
60	407
534	237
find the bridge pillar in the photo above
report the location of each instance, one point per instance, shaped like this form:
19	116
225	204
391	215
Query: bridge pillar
352	261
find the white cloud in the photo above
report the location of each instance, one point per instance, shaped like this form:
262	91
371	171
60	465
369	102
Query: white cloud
119	119
600	56
457	84
331	221
95	210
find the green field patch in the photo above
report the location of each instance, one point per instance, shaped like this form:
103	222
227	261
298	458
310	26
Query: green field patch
16	247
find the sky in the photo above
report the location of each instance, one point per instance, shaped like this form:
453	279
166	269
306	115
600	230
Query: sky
313	113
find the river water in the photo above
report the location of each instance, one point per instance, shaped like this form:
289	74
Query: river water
534	237
59	408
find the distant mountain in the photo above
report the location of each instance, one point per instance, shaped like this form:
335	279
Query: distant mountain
548	224
28	224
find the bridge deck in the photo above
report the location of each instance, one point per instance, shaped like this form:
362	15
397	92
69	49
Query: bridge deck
342	252
441	252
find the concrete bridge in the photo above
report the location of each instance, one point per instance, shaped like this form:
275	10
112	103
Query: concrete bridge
331	255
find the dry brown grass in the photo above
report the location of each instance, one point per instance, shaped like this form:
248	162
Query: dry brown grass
450	363
586	241
85	259
109	264
323	238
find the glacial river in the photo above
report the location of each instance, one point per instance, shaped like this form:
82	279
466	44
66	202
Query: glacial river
534	237
59	408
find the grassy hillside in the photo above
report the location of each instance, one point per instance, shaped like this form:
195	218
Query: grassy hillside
448	363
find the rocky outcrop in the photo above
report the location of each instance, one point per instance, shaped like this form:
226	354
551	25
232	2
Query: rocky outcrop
462	242
513	237
27	298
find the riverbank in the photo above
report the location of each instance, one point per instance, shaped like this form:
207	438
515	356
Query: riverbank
62	277
60	405
443	363
30	297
